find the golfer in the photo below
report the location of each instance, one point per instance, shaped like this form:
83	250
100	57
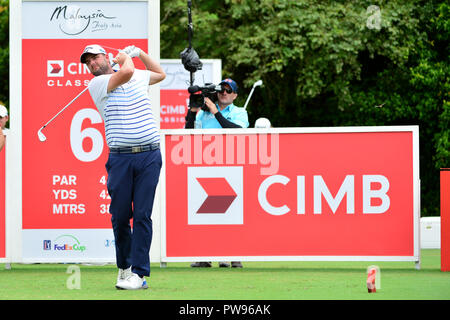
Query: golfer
134	161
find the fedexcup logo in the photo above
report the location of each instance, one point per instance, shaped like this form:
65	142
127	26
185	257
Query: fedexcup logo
65	242
55	68
215	195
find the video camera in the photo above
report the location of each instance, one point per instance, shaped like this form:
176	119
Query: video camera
192	63
198	94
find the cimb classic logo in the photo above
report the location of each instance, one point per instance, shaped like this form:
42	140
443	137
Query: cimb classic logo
62	73
215	195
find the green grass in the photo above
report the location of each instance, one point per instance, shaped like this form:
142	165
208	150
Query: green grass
256	281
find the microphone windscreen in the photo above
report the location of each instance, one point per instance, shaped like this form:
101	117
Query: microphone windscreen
193	89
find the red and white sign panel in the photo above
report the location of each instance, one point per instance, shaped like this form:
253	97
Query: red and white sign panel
64	183
291	194
65	201
2	205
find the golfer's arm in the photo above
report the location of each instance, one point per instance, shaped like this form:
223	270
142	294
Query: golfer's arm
157	73
122	76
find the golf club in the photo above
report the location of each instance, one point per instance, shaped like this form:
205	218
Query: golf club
111	48
257	83
41	135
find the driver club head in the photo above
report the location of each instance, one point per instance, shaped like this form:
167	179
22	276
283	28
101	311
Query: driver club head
257	83
41	136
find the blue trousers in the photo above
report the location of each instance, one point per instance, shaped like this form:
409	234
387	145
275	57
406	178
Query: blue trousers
132	181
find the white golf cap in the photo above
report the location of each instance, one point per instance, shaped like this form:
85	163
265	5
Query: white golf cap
3	111
262	123
93	49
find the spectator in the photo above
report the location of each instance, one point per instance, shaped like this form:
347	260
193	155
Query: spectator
223	114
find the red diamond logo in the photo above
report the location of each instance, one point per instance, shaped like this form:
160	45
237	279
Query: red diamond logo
220	195
56	68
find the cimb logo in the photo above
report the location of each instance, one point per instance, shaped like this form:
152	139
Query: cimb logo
215	195
55	68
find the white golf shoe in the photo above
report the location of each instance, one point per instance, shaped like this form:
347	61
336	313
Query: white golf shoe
123	275
132	282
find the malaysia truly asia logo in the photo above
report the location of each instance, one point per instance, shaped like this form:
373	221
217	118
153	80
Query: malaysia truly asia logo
65	242
72	21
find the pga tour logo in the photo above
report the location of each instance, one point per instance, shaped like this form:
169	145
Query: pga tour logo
215	195
55	68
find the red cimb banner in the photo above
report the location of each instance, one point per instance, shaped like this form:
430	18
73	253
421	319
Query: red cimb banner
64	178
445	218
291	195
2	205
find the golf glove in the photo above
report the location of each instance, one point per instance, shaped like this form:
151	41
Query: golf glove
132	51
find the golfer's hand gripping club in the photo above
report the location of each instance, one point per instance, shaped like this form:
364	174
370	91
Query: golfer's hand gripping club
132	51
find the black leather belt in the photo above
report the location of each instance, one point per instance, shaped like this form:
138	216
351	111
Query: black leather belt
135	149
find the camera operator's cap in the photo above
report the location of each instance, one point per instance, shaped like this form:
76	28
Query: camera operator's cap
233	85
93	49
3	111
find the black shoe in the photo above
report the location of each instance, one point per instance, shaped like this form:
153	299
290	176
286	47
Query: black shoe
224	265
236	264
201	265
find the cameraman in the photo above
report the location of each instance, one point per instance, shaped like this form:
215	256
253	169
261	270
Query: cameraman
224	114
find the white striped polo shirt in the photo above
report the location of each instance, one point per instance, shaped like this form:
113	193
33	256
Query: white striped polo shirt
126	111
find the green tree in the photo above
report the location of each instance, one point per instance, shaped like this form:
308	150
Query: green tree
416	92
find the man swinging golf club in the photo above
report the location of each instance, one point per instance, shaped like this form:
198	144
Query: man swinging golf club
134	161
